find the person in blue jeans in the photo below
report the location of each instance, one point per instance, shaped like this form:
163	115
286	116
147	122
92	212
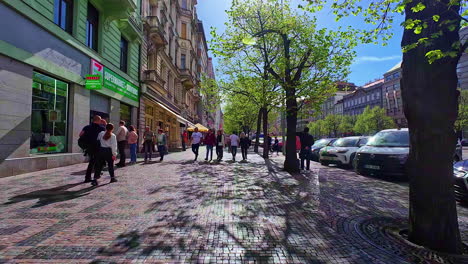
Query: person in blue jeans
132	139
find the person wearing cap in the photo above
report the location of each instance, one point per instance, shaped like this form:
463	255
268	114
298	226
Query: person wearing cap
161	142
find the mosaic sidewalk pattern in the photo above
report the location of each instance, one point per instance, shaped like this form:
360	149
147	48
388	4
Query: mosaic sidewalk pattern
178	211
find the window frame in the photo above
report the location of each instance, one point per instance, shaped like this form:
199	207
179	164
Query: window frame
92	43
124	52
66	25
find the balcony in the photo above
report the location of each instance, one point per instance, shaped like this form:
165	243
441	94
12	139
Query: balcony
118	9
188	81
185	12
152	78
157	32
131	26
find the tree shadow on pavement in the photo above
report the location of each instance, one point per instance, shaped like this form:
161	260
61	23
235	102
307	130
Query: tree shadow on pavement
51	195
236	212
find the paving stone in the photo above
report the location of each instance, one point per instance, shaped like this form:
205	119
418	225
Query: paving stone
178	211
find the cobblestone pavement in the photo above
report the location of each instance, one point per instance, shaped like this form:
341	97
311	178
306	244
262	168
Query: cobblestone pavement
184	212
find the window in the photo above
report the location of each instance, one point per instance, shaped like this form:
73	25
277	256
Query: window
126	114
184	4
123	54
63	14
184	30
92	23
183	61
49	115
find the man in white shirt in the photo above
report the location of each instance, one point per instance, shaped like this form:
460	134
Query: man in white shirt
234	144
196	139
121	134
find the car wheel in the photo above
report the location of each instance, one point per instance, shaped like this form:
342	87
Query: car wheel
324	163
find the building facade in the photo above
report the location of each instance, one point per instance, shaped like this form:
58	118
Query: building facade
391	93
368	95
45	103
172	64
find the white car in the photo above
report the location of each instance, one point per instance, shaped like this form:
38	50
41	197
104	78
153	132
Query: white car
342	151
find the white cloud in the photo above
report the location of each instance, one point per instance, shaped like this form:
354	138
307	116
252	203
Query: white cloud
364	59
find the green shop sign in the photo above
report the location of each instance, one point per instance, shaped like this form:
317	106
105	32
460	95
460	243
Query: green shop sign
93	82
113	81
116	83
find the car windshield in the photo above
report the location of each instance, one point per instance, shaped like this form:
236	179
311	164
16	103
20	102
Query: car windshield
390	139
346	142
322	143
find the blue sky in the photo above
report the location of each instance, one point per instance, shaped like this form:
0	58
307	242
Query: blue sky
372	61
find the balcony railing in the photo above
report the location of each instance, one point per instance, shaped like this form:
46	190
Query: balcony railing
152	77
157	31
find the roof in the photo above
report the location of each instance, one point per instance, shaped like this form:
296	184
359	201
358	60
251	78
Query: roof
379	81
394	68
395	129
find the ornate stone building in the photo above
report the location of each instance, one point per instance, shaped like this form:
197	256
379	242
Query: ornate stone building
170	67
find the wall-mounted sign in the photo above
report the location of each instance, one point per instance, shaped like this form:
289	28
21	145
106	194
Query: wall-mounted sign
114	82
93	82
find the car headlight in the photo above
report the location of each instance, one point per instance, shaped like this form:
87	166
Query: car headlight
460	173
342	150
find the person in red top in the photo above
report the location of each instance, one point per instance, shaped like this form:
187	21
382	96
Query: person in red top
210	141
184	140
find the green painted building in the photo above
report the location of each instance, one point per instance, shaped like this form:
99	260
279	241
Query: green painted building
47	49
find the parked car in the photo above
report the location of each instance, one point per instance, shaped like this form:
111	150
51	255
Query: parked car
342	151
464	142
386	153
318	145
460	173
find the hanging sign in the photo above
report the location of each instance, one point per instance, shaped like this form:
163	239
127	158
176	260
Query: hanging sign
93	82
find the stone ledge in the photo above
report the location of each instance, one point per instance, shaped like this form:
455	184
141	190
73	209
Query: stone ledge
15	166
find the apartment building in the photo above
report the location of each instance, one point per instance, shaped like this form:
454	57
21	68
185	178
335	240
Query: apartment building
172	64
45	98
391	93
368	95
462	68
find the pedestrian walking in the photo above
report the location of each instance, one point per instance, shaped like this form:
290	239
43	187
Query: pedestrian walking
148	143
210	141
234	139
121	134
196	139
88	141
307	141
244	144
228	143
184	140
161	142
220	141
133	142
107	153
276	146
269	140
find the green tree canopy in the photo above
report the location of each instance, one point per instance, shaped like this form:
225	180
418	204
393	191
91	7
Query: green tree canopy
372	120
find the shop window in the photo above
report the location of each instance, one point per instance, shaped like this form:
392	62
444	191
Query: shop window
63	14
123	54
49	115
126	114
92	25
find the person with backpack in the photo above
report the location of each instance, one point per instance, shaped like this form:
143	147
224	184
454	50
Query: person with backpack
161	142
107	153
148	143
89	143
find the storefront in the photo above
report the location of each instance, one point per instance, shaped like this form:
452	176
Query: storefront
49	115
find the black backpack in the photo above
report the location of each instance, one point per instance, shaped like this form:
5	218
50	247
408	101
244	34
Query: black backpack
83	143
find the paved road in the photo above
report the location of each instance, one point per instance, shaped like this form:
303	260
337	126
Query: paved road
181	212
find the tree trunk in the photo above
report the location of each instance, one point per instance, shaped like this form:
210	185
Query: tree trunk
290	164
259	124
430	105
265	133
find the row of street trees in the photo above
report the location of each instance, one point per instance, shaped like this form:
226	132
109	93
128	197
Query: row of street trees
289	57
371	121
